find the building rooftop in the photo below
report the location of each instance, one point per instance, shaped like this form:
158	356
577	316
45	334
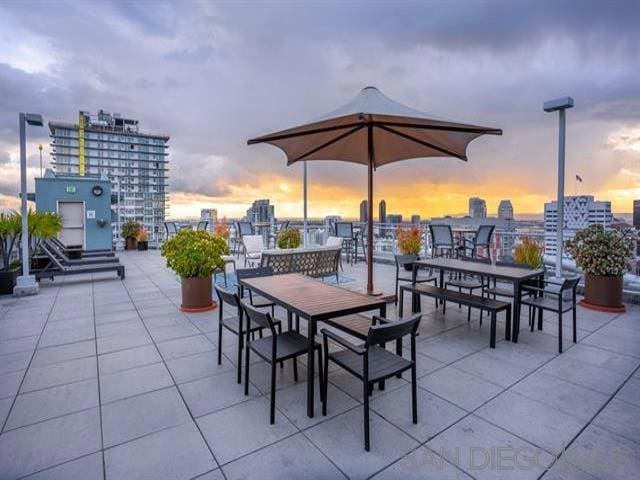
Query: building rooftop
102	378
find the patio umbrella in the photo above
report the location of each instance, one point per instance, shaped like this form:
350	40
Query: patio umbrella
374	130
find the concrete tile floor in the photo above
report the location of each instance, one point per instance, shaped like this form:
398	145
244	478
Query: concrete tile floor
107	379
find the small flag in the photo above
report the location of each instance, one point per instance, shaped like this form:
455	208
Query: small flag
579	178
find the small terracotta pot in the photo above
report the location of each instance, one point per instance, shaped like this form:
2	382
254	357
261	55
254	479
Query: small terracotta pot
131	243
197	295
603	293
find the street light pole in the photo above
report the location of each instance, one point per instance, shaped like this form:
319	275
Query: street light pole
560	105
40	148
25	284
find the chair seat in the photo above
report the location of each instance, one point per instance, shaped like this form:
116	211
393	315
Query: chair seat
382	363
232	324
500	291
420	279
288	344
548	303
462	283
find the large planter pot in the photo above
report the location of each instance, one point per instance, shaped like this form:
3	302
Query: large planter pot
131	243
143	245
603	293
197	295
8	281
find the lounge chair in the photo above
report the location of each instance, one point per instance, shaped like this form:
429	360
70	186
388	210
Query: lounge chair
51	248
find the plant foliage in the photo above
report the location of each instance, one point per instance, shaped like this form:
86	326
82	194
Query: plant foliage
602	252
221	229
409	239
289	238
10	228
130	229
529	253
142	235
194	253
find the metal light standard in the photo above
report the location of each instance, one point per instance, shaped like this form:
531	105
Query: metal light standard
40	148
560	105
25	284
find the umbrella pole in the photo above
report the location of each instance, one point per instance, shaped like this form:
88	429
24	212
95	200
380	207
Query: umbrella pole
370	215
304	181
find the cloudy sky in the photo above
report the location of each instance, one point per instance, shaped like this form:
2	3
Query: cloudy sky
213	74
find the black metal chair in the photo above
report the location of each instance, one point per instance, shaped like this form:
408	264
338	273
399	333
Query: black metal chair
442	241
401	261
551	297
255	300
234	324
372	363
482	239
345	231
242	229
171	229
202	225
469	283
277	348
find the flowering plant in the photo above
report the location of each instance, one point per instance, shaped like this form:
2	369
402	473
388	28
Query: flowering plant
409	239
602	252
221	229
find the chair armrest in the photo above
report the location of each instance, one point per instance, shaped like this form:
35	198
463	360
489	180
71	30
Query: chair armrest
378	318
537	289
345	343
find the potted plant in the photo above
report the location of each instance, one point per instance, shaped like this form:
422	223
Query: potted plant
221	229
529	254
194	255
129	232
289	238
409	242
142	239
42	226
603	256
10	228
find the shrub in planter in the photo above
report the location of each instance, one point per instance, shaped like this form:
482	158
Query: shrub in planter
289	238
409	241
10	228
194	255
603	256
129	232
143	239
529	253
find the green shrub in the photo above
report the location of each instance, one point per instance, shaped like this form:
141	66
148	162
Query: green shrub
130	229
194	253
289	238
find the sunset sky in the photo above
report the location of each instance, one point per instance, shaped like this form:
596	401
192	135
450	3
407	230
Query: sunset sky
213	74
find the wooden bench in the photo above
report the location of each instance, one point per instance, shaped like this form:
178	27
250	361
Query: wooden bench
474	301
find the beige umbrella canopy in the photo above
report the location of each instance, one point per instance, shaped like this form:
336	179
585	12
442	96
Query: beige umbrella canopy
374	130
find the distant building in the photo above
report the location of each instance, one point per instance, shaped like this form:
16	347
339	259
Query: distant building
364	210
330	221
579	213
209	215
394	218
135	162
260	212
505	210
636	214
477	208
382	212
415	219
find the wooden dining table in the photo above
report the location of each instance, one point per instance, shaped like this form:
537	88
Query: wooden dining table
508	273
315	302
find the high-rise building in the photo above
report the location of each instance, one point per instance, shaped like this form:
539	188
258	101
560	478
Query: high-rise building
415	218
209	215
260	212
505	210
477	208
382	212
579	213
394	218
364	210
135	162
636	214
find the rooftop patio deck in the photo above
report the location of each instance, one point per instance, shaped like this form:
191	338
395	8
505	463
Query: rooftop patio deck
102	378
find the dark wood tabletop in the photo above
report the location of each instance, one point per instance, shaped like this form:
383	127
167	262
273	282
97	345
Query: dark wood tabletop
311	299
486	269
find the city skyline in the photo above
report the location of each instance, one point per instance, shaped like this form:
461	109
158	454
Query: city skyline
157	65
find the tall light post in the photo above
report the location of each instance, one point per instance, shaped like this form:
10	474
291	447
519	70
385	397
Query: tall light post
25	284
560	105
40	148
304	189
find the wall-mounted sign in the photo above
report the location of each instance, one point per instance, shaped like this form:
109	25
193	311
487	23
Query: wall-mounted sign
97	190
91	214
71	189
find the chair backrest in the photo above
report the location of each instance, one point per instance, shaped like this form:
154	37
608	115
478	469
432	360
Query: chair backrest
402	260
202	225
483	235
486	261
171	228
441	235
244	228
258	318
283	225
253	243
334	242
570	283
344	229
387	332
225	296
243	273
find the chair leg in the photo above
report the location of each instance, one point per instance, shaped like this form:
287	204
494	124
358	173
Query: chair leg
325	381
240	357
492	341
366	416
246	371
574	325
414	393
219	344
532	322
297	322
295	369
560	332
272	418
321	376
396	289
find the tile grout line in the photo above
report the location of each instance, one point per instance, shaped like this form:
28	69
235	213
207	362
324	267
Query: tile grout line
95	336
